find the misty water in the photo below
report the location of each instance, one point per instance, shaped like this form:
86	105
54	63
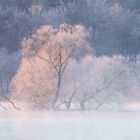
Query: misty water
69	126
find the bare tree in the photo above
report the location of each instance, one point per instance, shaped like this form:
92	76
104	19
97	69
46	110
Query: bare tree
97	82
111	82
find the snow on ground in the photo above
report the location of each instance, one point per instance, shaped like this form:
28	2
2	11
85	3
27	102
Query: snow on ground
134	107
69	126
126	107
9	107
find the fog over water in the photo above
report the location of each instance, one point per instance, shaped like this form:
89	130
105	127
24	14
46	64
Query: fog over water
69	126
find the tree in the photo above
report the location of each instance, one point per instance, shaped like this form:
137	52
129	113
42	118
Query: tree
54	3
14	25
56	46
8	68
97	82
129	4
33	84
110	85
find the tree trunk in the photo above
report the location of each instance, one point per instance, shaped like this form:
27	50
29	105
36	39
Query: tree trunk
82	104
57	93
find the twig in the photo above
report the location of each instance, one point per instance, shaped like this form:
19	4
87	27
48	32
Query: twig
3	107
13	104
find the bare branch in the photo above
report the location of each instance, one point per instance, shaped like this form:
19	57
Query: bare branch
51	62
12	103
3	107
42	58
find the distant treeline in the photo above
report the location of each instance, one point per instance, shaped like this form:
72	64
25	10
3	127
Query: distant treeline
25	4
114	25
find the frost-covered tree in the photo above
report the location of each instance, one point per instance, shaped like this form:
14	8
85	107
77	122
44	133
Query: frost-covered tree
111	25
14	25
90	83
129	4
33	84
56	46
97	83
